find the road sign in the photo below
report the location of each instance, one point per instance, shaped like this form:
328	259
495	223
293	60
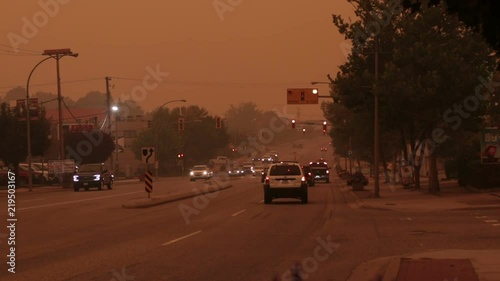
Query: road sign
148	180
148	155
302	96
490	146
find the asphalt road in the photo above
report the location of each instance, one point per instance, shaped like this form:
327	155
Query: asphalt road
231	235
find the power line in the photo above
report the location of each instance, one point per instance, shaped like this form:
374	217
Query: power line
20	49
54	83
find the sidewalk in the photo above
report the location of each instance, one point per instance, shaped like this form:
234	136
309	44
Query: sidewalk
395	197
445	264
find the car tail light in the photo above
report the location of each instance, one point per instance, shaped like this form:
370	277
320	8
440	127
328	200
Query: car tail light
266	181
303	179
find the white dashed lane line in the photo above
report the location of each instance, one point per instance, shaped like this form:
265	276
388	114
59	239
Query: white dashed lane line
487	220
181	238
237	213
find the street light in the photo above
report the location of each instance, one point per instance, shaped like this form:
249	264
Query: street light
57	54
28	123
157	136
320	82
115	161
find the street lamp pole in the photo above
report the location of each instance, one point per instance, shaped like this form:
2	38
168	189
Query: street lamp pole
115	159
28	123
57	54
157	136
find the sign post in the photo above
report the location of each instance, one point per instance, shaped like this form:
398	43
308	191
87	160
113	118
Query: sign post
302	96
148	180
490	146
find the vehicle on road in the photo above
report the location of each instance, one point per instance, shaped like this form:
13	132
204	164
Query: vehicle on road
236	171
263	174
200	172
92	175
320	170
285	180
258	169
248	168
309	175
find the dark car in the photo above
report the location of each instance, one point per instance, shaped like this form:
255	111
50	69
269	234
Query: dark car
320	170
357	177
308	173
263	174
92	175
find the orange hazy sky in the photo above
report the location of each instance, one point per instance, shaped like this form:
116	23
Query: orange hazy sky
252	51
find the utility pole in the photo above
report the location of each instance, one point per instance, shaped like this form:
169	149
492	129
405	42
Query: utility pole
108	117
376	144
108	104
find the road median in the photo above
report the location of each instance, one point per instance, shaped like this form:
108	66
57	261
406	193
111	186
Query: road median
213	185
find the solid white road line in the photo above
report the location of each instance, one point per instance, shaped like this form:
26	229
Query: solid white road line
180	238
496	224
237	213
490	221
77	201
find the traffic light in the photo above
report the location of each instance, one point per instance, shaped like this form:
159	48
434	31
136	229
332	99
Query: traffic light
324	127
218	123
293	123
180	122
149	124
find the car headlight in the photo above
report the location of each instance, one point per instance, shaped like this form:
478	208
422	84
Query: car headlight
75	178
205	173
191	173
97	177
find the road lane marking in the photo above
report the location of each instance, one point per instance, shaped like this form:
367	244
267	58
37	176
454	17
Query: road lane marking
490	221
237	213
482	217
77	201
496	224
180	238
261	201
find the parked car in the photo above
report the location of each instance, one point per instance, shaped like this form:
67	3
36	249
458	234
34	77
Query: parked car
308	172
38	176
92	175
357	177
285	180
200	172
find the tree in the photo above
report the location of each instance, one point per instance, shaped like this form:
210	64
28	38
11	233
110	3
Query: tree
199	141
480	15
87	147
13	143
439	85
418	82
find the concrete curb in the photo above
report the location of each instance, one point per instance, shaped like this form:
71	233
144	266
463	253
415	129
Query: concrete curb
151	202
